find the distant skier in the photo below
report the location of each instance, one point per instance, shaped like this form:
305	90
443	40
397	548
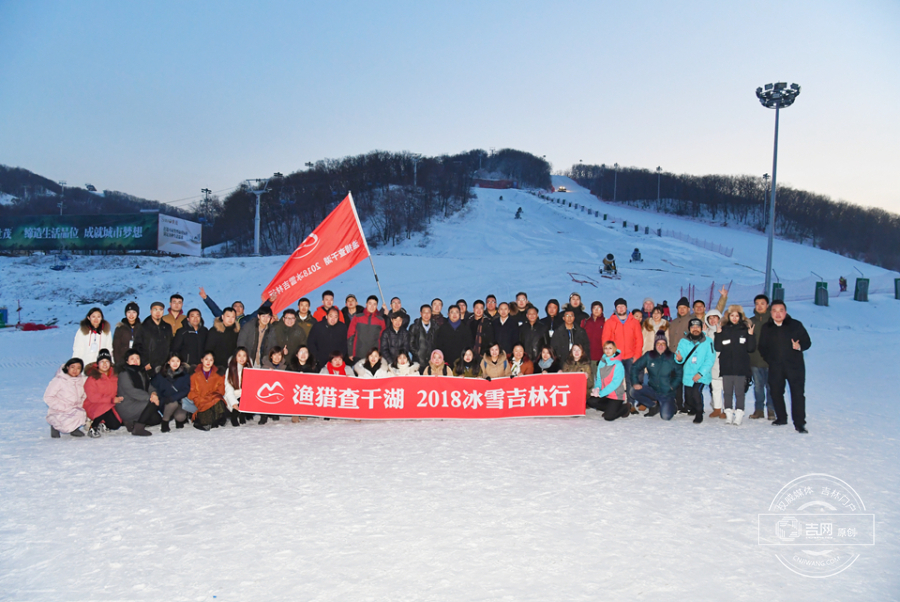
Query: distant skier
842	282
519	213
636	255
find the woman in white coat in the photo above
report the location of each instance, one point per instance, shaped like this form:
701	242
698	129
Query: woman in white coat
93	335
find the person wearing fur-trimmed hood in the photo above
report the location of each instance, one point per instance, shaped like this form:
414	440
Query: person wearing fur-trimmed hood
93	335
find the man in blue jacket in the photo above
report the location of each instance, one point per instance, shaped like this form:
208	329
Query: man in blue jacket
695	352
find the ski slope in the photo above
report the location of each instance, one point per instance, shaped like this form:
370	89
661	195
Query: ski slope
542	509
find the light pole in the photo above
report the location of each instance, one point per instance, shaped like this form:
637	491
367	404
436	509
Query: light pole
415	162
658	176
615	181
775	96
765	199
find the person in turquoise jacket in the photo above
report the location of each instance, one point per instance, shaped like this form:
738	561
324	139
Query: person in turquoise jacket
609	394
697	355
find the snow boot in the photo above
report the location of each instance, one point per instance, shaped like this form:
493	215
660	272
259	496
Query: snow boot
54	434
738	417
295	419
179	425
802	430
716	413
77	433
164	428
202	427
729	416
94	433
698	417
234	418
223	419
642	408
276	418
140	430
129	426
263	419
772	415
654	410
757	415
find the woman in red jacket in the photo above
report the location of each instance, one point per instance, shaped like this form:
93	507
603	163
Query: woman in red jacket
100	389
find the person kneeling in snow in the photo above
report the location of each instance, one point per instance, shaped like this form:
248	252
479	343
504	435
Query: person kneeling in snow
208	394
696	353
609	396
65	397
139	407
100	389
663	379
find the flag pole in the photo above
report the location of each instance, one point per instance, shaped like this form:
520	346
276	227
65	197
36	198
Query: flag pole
366	244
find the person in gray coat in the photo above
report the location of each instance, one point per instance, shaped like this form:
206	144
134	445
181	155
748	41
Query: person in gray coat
258	336
139	407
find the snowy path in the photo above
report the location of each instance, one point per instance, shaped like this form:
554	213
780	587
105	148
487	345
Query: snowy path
544	509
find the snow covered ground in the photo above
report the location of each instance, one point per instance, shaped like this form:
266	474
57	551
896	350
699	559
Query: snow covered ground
542	509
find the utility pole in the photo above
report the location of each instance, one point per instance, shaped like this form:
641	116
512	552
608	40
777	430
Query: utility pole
62	193
658	176
615	181
765	200
415	162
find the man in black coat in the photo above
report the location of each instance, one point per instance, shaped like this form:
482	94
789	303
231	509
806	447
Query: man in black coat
156	339
506	329
533	334
190	340
328	336
482	330
782	343
422	335
395	338
222	338
570	334
396	308
453	336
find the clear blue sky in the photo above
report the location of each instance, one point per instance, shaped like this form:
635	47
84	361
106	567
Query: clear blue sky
161	99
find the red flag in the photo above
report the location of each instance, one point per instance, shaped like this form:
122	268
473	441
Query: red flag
334	247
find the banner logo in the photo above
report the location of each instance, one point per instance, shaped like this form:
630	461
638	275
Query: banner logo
307	246
268	394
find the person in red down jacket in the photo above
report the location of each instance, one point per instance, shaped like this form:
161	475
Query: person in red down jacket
625	332
100	389
593	326
365	331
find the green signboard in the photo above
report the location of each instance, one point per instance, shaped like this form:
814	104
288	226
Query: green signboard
134	231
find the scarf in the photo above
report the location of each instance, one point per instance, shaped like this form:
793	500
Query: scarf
544	364
372	369
137	376
455	325
337	371
516	367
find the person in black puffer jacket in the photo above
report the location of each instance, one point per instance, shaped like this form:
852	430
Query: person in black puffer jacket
172	385
190	340
156	339
395	338
734	342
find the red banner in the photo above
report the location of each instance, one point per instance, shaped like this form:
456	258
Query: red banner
412	397
334	247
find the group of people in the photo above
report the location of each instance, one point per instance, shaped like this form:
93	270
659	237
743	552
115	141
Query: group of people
170	366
